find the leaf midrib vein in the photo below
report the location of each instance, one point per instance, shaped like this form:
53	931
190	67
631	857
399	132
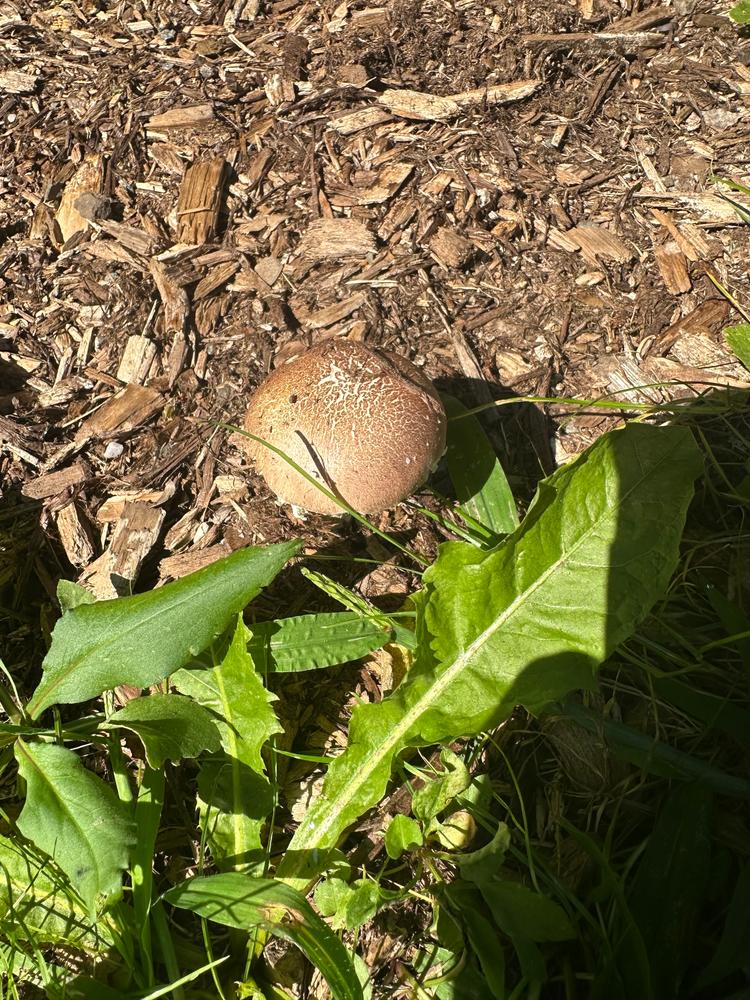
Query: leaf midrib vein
390	744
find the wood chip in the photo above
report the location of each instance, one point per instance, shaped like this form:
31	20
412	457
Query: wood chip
336	239
387	184
137	359
622	41
430	107
354	121
672	266
54	483
331	314
215	278
200	200
192	116
115	571
128	409
709	317
595	242
174	298
181	563
75	535
451	248
136	534
13	81
88	179
112	508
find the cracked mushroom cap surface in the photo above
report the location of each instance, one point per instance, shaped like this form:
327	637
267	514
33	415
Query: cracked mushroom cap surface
365	423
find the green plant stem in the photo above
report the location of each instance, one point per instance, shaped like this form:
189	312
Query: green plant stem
117	758
166	947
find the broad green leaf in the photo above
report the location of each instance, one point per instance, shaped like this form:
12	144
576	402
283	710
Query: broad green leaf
363	903
169	726
434	796
236	900
331	896
740	13
311	642
36	905
521	911
139	640
483	936
479	480
670	884
403	834
237	799
479	866
738	337
524	623
74	817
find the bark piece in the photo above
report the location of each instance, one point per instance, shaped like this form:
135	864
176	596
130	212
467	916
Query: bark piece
53	483
128	409
451	248
88	179
199	202
75	535
335	239
672	266
192	116
430	107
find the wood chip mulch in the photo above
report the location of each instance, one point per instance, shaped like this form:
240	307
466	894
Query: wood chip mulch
517	196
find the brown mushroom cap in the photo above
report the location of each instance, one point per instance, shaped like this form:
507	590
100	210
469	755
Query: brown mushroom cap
366	424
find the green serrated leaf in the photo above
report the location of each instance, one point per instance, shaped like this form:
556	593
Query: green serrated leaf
403	834
169	726
524	623
140	640
478	477
236	900
75	818
36	905
738	337
236	800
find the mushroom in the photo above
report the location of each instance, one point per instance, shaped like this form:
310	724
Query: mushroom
365	423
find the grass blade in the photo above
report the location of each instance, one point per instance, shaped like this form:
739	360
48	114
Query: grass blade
236	900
